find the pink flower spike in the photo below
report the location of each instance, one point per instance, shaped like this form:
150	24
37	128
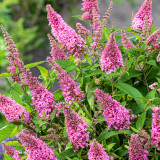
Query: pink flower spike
76	128
71	41
125	40
12	110
82	30
155	131
57	53
115	114
136	151
145	10
70	89
153	37
111	58
10	151
152	86
35	148
97	152
88	6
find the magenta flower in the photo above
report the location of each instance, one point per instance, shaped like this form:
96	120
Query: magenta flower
70	89
10	151
97	30
125	40
136	150
35	148
57	53
145	10
88	6
153	37
43	100
111	58
76	129
115	114
12	110
155	132
71	41
97	152
82	30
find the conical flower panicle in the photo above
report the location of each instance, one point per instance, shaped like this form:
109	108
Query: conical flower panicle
145	10
115	114
153	37
155	132
57	53
13	57
43	100
35	148
125	40
12	110
76	128
71	41
70	89
97	152
111	58
97	30
88	6
10	151
136	149
82	30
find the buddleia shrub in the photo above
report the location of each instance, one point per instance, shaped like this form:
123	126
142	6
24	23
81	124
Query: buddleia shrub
106	106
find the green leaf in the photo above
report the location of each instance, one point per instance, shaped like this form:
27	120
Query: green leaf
37	120
43	71
16	96
110	146
133	92
67	153
140	121
65	64
152	62
14	143
151	94
156	101
31	65
6	131
5	74
98	71
14	132
7	157
53	114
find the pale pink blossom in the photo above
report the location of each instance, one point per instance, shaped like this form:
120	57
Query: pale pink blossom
152	86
